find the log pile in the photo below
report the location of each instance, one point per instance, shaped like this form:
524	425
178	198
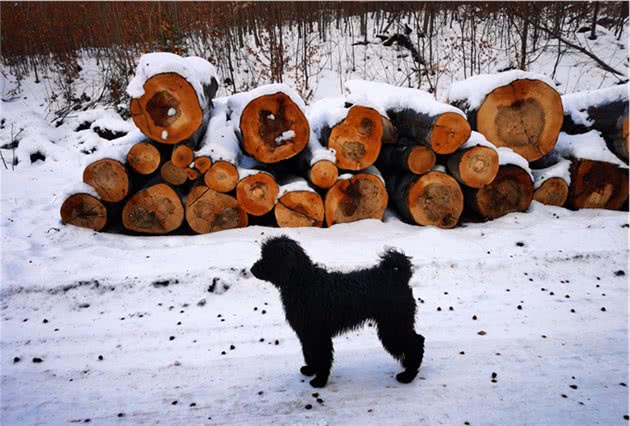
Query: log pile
201	164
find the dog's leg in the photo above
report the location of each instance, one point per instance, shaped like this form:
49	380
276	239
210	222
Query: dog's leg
307	369
414	352
407	347
322	357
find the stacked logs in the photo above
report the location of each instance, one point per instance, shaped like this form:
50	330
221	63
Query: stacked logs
203	164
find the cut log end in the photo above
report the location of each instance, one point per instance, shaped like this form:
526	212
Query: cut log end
357	139
323	174
421	159
273	128
109	178
450	131
169	111
210	211
256	194
474	167
144	158
362	196
173	174
155	210
525	115
203	164
511	190
300	209
552	192
435	199
85	211
221	177
597	185
182	156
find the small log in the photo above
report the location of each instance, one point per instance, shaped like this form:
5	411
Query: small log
474	167
273	128
173	174
512	190
434	198
192	174
357	139
443	133
182	156
203	164
144	158
323	174
85	211
317	164
221	177
109	178
173	108
597	185
299	207
157	209
522	114
552	192
257	192
362	196
406	157
210	211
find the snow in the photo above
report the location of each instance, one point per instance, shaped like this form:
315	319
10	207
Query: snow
588	146
220	141
508	156
285	136
164	134
294	185
317	152
576	104
473	90
238	102
559	170
197	71
439	168
326	113
171	112
477	139
387	97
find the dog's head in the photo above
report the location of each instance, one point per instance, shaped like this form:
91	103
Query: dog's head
282	261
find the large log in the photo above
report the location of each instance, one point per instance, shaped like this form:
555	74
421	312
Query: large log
605	110
475	166
272	126
597	185
514	109
511	190
299	206
356	139
434	198
356	197
406	157
172	97
222	176
109	178
256	192
84	210
210	211
157	209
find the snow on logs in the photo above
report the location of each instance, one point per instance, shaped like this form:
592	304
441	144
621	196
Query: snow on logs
171	97
356	196
514	109
605	110
272	124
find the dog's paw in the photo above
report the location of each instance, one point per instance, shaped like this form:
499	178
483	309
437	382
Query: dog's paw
406	376
319	382
307	370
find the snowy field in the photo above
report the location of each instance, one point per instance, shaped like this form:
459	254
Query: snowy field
526	317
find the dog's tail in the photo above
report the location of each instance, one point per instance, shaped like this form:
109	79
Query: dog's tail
398	265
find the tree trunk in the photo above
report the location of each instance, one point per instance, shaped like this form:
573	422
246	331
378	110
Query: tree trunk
157	209
210	211
169	111
597	185
434	198
474	167
273	128
256	193
552	192
84	210
144	158
406	157
511	190
443	133
362	196
109	178
525	115
221	177
357	139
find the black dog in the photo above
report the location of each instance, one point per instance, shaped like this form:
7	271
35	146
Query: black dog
320	305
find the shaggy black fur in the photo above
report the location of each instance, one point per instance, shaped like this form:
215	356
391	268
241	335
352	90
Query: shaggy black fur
319	305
